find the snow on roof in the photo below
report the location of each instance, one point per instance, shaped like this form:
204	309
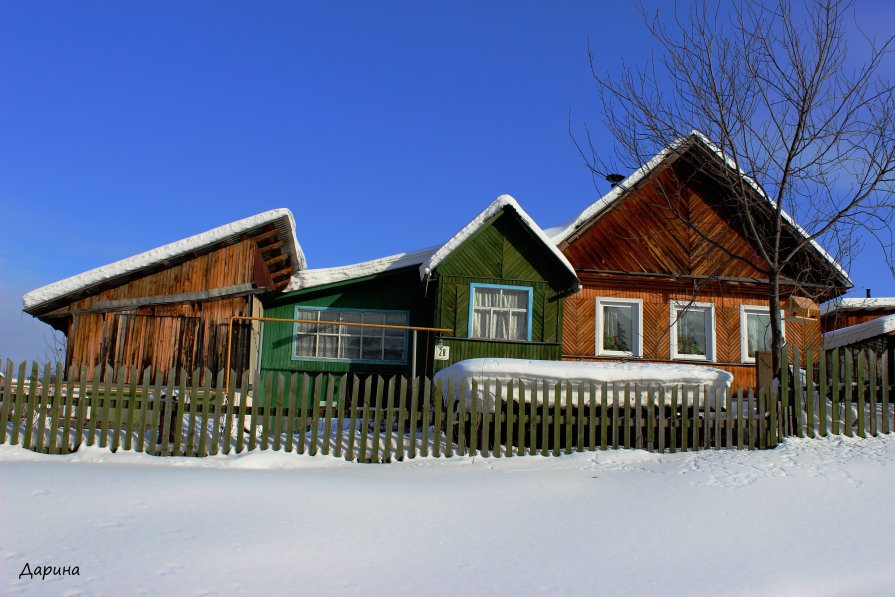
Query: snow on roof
857	333
281	218
577	373
857	304
321	276
560	233
427	259
479	221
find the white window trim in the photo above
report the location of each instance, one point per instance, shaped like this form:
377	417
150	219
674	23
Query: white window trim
709	337
637	324
320	310
745	310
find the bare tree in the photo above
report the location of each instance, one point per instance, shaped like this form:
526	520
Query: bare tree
799	125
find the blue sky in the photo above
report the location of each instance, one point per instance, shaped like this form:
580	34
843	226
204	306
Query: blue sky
383	126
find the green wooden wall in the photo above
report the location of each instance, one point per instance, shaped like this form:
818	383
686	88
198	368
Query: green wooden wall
392	291
506	253
503	252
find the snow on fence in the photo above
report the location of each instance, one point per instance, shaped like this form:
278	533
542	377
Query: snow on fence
379	419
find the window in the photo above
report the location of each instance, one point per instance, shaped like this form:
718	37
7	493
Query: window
618	328
500	312
350	343
755	331
693	331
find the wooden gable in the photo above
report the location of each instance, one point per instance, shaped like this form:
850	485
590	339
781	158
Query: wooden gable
665	227
505	249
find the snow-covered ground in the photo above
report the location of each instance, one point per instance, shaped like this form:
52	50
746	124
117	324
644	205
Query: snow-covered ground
812	517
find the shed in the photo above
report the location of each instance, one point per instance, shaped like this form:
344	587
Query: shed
170	307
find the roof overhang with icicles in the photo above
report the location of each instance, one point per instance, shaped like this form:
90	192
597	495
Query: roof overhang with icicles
273	230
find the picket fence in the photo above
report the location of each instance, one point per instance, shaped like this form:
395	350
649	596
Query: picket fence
380	419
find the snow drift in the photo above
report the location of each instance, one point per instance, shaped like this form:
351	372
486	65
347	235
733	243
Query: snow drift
693	382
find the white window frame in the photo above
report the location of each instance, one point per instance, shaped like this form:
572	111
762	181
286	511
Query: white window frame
745	311
709	310
342	332
528	310
636	325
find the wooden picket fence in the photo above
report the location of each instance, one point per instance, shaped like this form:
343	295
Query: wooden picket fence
380	419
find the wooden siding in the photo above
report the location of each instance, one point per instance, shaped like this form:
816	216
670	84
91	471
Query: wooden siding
162	336
648	233
502	254
841	319
506	249
398	291
579	331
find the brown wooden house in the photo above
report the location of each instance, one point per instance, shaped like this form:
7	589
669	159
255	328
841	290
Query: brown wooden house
669	275
171	307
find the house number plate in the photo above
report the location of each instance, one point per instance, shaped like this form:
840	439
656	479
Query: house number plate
442	353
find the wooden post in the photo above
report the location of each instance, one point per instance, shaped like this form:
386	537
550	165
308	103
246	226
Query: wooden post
426	406
862	377
835	413
438	404
389	421
674	425
328	414
414	415
352	418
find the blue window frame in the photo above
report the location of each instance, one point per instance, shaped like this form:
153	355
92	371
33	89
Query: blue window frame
498	312
325	341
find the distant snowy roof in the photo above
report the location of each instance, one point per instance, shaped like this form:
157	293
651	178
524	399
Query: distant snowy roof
479	221
426	259
857	304
281	218
558	234
318	277
857	333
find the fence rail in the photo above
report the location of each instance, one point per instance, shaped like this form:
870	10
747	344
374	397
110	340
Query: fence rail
379	419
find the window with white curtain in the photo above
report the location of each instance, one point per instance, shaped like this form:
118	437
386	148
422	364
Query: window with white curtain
323	340
618	327
755	331
693	331
500	312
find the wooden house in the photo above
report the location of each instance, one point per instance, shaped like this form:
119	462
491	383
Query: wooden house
171	307
862	324
846	312
670	275
495	289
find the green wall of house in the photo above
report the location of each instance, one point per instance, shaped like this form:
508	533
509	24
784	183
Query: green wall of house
503	253
394	291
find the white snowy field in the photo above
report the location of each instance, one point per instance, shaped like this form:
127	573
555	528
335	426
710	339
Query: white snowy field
812	517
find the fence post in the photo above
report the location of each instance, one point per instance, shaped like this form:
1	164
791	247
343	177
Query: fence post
822	393
414	415
862	371
884	375
847	354
872	374
836	382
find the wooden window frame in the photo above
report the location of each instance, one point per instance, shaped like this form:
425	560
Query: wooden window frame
636	325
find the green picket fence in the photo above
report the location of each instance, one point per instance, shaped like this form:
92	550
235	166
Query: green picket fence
380	419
